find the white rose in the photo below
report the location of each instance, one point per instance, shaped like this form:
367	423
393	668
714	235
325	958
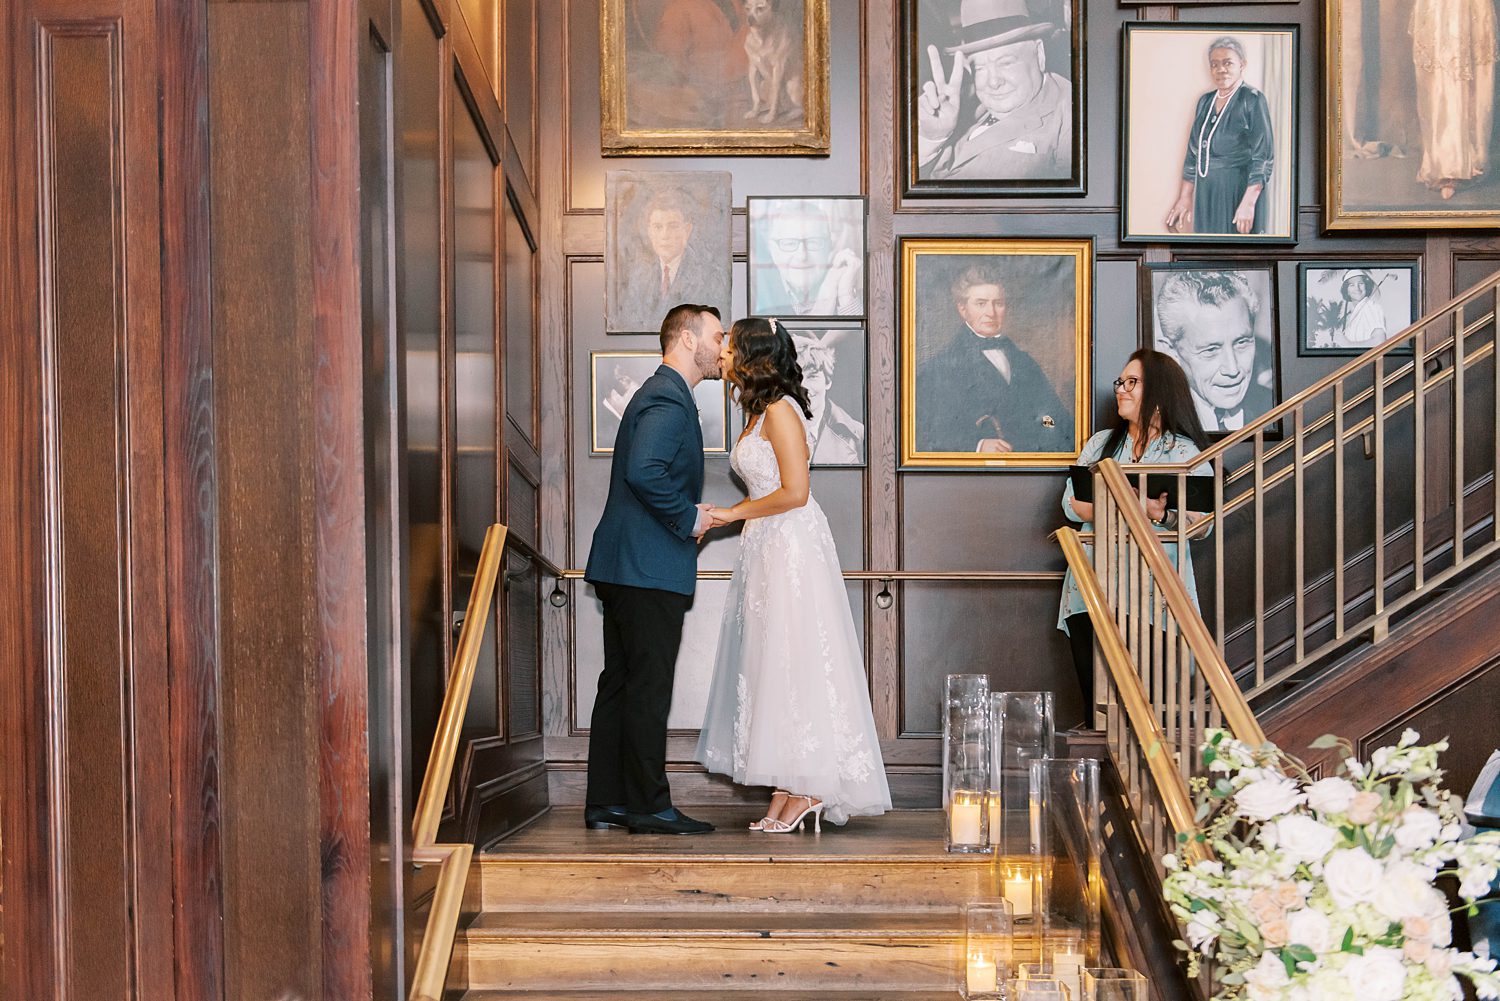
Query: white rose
1267	978
1266	798
1405	891
1352	876
1378	975
1330	795
1475	880
1418	829
1310	928
1304	838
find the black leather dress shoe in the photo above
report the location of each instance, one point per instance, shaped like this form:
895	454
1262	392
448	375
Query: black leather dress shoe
681	823
602	818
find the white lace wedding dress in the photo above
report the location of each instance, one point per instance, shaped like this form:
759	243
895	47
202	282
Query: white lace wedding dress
789	706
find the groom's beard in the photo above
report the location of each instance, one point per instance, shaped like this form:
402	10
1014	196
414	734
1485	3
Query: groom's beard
709	365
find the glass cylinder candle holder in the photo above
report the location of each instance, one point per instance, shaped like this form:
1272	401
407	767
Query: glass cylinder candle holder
1021	730
1037	989
1017	879
1065	848
987	948
966	762
1110	983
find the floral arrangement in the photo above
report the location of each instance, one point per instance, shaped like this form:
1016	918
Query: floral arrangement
1322	890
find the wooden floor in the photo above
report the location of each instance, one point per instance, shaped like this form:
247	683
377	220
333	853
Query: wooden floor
908	834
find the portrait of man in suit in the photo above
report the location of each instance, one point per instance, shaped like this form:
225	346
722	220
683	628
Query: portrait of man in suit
983	391
1216	325
989	104
667	242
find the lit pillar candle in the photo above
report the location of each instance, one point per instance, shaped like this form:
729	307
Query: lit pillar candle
966	820
994	804
1018	891
982	978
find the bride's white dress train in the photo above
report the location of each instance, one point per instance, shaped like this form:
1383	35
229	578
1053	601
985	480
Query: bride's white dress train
789	705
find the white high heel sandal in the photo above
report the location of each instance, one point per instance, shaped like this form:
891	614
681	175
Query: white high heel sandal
814	807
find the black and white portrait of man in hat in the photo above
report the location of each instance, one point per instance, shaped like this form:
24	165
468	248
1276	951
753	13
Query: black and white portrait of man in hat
989	107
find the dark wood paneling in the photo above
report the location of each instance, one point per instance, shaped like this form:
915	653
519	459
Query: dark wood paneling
519	37
89	667
191	488
263	360
337	34
523	612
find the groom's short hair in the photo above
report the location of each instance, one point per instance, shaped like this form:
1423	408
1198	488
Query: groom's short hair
687	317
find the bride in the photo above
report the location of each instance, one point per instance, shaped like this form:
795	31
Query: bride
789	706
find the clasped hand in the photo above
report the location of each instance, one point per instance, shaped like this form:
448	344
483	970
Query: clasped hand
718	517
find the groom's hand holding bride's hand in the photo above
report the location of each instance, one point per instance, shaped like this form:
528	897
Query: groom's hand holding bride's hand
723	516
705	521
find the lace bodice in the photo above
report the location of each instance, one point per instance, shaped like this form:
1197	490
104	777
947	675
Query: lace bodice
754	459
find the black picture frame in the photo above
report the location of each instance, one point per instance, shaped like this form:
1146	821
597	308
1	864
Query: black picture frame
1206	378
933	22
1155	55
765	263
1328	316
606	408
842	353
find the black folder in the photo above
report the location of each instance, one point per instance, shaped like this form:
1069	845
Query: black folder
1200	488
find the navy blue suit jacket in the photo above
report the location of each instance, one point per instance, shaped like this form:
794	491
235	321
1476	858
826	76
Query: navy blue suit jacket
645	537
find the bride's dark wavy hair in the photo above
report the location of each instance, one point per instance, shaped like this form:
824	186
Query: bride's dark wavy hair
765	365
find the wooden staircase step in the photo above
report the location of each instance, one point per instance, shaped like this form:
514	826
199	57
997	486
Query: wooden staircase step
739	883
699	994
618	951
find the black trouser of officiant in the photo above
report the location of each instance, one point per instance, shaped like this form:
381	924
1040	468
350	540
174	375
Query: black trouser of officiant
1081	639
628	730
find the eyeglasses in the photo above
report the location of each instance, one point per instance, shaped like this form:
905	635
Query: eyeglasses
812	244
1128	384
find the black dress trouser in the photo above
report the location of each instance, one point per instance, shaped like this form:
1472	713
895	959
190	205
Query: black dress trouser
1081	639
628	732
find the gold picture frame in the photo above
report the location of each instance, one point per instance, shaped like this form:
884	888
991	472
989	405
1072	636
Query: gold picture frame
961	353
657	101
1377	174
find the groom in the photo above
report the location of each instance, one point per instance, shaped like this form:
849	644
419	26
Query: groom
644	565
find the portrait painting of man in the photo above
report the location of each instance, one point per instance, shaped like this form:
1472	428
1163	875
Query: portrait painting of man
1220	324
666	242
1411	138
833	373
807	256
1210	133
616	375
1349	307
994	96
720	76
995	348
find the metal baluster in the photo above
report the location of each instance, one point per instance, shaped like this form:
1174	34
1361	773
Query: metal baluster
1459	347
1338	509
1379	416
1219	549
1300	526
1260	559
1419	470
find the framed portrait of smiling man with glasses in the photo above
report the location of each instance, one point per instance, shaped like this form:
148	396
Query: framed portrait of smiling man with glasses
807	257
994	97
1219	322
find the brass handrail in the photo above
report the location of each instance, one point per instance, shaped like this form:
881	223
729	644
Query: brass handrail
956	576
1169	783
1237	714
436	951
